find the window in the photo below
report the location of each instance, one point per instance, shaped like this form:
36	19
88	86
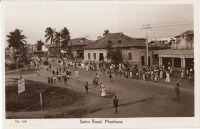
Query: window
101	57
130	56
142	61
88	56
94	54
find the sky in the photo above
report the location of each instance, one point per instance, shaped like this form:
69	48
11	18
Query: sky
91	18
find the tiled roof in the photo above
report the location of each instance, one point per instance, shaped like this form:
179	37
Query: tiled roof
188	32
158	44
116	40
79	42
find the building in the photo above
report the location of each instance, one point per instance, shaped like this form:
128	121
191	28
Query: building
181	54
132	50
77	45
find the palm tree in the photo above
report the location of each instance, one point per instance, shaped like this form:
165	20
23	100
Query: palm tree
49	35
65	38
39	45
57	40
16	39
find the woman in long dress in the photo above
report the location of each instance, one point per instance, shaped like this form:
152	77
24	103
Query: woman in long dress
103	91
168	77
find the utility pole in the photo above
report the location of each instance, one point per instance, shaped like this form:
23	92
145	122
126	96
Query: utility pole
146	27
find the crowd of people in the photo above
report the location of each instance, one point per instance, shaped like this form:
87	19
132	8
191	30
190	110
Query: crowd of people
63	72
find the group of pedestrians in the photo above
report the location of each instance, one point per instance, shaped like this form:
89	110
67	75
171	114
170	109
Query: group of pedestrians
130	72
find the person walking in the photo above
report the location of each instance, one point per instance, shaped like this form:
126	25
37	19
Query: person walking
182	73
115	102
108	89
110	76
76	73
53	73
167	77
131	75
38	72
177	92
86	87
65	79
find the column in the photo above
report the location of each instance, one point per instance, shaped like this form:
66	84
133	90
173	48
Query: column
173	62
183	64
145	60
160	61
151	59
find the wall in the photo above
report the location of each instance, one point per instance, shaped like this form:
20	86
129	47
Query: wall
182	43
135	55
97	51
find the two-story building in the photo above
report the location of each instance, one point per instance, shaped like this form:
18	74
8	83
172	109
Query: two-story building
181	54
76	45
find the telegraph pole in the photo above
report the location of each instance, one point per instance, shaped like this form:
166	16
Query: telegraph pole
147	27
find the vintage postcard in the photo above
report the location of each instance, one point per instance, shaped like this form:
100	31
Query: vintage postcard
100	64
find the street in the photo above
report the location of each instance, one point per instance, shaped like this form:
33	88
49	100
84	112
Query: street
137	98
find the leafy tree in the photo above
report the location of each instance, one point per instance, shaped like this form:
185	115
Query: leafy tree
57	37
16	40
99	37
39	45
113	54
106	32
65	37
49	35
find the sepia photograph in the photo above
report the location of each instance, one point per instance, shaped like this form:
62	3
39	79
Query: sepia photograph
98	62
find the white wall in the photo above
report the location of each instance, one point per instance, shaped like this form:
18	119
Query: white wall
97	51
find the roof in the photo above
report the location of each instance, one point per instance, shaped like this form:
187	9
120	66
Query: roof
116	40
79	42
188	32
158	44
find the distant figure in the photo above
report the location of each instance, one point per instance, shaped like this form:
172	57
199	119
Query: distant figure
110	76
108	90
86	87
161	74
115	102
177	92
131	75
76	73
38	72
168	77
65	80
103	91
50	66
53	73
182	72
49	80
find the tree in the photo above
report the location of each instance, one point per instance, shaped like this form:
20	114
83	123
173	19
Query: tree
39	45
65	38
57	40
16	39
99	37
49	35
106	32
113	54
